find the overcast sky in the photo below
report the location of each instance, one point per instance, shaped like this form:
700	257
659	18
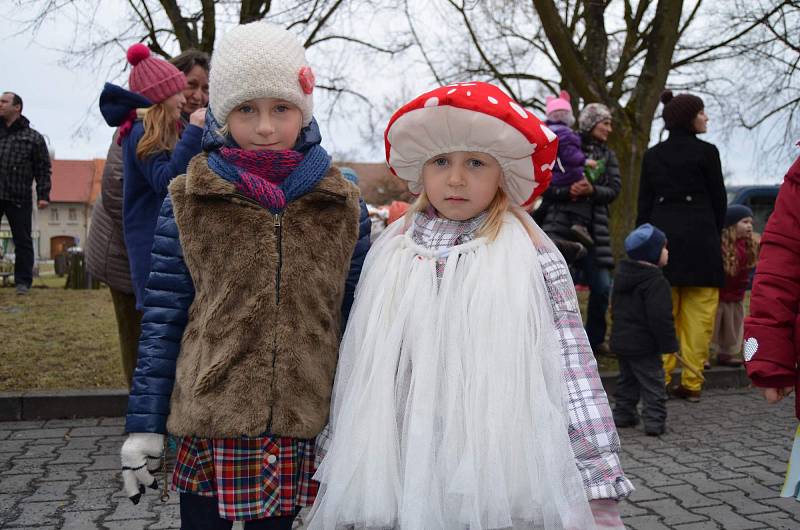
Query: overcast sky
61	103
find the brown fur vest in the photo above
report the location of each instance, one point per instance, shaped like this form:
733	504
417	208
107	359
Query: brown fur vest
261	344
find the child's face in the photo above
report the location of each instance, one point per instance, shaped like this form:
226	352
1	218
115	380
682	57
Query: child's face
265	124
664	258
174	104
462	184
744	228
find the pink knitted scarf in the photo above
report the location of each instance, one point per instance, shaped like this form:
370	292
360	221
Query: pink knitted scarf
262	172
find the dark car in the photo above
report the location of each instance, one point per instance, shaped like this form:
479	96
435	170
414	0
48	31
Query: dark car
760	199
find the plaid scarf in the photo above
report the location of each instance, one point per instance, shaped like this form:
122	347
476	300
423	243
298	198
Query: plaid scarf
439	233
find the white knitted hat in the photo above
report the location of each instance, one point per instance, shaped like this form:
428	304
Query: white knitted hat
259	60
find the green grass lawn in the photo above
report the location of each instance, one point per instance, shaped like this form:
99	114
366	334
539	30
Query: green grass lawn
55	338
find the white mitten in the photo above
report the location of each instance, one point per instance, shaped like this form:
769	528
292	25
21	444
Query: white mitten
141	456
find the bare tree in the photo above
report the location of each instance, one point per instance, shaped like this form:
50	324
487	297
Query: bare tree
620	53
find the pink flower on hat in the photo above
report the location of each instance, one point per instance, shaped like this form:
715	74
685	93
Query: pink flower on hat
154	78
478	117
307	79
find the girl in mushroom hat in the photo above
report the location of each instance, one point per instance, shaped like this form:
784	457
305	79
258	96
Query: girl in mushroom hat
466	395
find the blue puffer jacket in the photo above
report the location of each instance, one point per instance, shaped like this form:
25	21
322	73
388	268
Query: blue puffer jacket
169	293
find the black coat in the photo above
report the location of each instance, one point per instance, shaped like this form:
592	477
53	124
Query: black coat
641	308
23	158
554	220
683	194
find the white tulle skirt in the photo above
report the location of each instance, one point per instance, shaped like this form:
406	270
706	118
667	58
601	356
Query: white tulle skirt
449	407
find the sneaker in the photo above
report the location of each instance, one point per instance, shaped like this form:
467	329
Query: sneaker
22	289
726	359
692	396
581	235
571	250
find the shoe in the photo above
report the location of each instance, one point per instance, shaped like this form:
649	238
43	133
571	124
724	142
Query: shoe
571	250
726	359
655	431
692	396
581	235
22	289
624	424
602	349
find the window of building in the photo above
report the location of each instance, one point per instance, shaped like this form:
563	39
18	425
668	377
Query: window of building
53	214
73	214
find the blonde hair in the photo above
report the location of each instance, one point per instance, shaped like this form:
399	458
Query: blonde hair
730	261
494	220
161	131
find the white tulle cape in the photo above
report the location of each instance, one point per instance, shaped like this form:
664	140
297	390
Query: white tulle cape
449	408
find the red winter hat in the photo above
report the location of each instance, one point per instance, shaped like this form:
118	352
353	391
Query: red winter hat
472	117
154	78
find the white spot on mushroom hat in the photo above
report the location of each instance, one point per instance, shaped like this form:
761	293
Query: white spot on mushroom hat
478	117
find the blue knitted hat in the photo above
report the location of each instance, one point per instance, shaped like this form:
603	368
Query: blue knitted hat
645	243
735	213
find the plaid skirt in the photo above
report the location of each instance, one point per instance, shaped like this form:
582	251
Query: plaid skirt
252	478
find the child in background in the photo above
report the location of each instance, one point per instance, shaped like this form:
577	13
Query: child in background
569	169
739	256
257	252
641	307
466	394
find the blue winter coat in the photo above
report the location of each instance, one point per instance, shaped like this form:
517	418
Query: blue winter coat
169	293
144	181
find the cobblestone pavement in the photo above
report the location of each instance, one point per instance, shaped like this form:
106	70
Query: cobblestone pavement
719	466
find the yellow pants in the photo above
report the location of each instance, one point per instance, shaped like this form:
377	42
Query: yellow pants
694	310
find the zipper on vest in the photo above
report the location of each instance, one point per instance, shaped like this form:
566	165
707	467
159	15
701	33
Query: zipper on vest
277	223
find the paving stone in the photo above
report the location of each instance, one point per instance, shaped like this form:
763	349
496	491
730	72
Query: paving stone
72	423
688	497
75	456
39	451
764	476
24	467
777	520
7	459
168	518
107	422
108	430
629	509
17	483
770	462
753	489
90	499
101	479
646	522
786	504
7	503
704	484
669	510
125	509
4	434
643	493
80	443
728	519
81	520
62	472
705	525
39	434
133	524
104	462
12	446
21	425
51	491
36	514
654	478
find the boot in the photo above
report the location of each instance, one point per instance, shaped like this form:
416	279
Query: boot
726	359
581	235
681	392
571	250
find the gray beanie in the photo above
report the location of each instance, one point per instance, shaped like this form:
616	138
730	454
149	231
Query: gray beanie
259	60
591	115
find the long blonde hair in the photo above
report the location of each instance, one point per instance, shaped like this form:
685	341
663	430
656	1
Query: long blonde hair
494	220
161	131
730	260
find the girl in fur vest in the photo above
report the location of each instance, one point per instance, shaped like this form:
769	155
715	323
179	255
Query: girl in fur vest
739	256
256	255
466	394
156	148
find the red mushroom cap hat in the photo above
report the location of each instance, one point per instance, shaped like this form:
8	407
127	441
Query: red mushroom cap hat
478	117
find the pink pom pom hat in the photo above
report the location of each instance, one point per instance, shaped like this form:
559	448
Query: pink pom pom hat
477	117
154	78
